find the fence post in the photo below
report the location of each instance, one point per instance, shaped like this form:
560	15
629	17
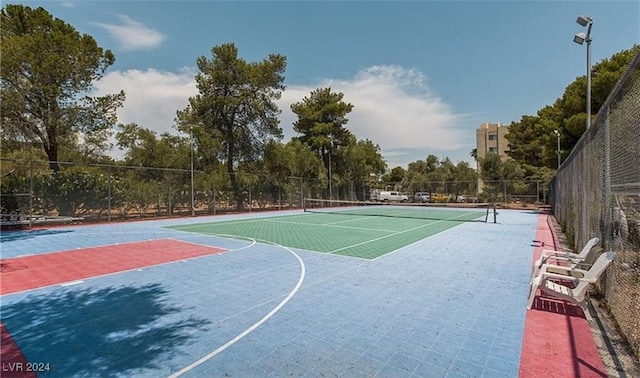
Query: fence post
504	188
214	194
30	193
109	197
607	182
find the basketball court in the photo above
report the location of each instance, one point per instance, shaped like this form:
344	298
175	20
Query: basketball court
284	293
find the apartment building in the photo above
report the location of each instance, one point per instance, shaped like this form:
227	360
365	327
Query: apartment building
490	138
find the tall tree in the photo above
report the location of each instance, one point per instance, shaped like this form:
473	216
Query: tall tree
366	160
464	181
495	172
532	140
237	106
358	165
321	120
395	176
47	71
430	164
144	149
292	159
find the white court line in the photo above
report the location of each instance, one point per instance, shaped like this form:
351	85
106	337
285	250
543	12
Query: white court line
253	242
254	326
349	220
148	266
390	235
71	283
332	224
188	227
99	245
412	244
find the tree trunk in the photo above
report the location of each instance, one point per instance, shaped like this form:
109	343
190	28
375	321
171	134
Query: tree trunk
52	155
235	185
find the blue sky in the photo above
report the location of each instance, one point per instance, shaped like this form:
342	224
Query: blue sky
422	75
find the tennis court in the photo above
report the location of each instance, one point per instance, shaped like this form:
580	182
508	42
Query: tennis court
367	232
273	294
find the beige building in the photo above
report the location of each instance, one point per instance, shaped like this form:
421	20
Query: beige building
490	138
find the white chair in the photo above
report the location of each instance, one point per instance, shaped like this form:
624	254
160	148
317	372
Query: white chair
546	282
563	257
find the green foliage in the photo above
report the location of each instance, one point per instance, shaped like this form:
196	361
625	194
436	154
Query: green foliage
440	176
236	106
282	161
396	175
497	174
13	186
75	191
141	194
464	179
145	149
47	70
532	140
501	169
321	120
364	163
430	164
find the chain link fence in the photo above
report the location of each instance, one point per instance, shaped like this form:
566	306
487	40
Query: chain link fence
505	192
597	193
95	192
29	189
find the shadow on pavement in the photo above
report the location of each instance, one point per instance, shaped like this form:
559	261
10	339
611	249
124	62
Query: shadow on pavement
106	332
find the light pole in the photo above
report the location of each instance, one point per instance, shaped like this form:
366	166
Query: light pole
193	207
558	149
580	38
330	183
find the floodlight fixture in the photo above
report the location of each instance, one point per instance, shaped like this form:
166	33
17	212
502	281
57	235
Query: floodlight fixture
584	20
580	38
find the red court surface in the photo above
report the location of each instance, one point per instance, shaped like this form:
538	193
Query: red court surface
557	338
31	272
14	364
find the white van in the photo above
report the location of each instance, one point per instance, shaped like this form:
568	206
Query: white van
392	196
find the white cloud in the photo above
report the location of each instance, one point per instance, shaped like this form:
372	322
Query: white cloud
393	107
133	35
153	96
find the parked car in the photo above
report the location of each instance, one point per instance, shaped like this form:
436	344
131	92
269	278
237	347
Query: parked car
440	198
374	195
392	196
467	198
422	197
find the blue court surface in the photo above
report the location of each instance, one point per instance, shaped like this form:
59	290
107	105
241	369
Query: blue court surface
449	305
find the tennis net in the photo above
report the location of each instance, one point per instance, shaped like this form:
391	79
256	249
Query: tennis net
395	210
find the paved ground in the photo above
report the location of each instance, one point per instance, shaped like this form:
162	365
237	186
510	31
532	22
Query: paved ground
452	304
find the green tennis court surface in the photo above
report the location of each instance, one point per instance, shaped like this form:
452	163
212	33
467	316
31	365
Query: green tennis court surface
363	236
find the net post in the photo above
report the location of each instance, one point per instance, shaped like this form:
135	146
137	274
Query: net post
495	213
